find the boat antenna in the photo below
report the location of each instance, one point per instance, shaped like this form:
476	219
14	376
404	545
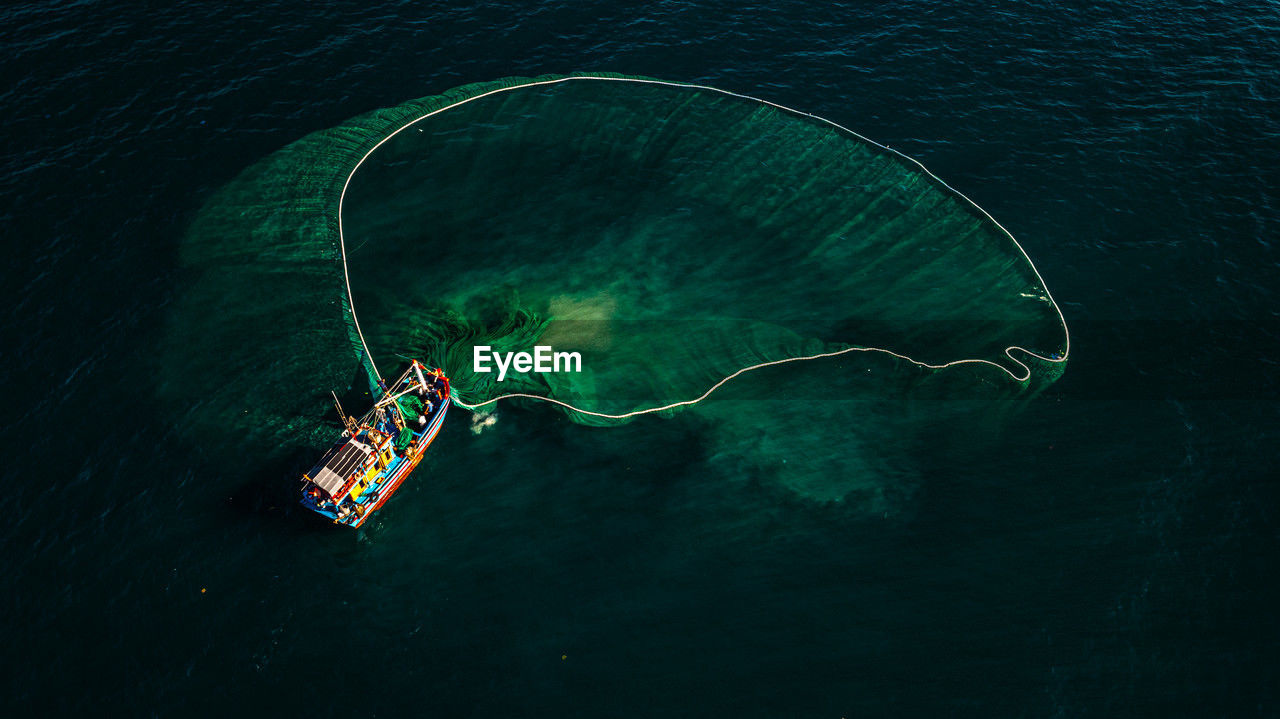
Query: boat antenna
347	421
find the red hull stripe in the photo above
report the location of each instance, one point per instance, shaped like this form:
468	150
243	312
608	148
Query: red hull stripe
403	471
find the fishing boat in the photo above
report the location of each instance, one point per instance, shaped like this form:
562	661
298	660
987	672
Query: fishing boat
375	453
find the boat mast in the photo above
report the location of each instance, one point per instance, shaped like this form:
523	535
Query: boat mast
421	380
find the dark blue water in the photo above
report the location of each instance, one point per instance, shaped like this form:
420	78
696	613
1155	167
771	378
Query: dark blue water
1107	548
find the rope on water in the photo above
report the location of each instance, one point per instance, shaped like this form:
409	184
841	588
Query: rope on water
1008	351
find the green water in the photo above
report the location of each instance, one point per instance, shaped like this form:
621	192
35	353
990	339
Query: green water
670	235
629	221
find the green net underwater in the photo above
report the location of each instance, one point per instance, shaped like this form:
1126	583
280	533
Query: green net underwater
698	250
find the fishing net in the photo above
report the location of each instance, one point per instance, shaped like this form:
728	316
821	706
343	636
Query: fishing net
411	407
694	247
404	438
671	236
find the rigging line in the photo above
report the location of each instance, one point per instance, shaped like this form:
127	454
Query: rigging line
1008	351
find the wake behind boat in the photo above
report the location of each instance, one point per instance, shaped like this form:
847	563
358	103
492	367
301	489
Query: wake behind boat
375	453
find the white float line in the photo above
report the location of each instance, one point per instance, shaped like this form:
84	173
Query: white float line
1008	351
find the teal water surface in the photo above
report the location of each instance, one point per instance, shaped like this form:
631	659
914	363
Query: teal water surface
1104	547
